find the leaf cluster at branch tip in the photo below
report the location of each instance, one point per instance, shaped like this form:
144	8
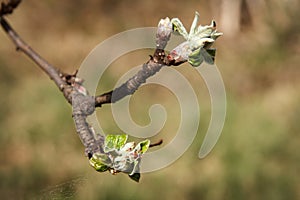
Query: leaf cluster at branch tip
119	156
196	48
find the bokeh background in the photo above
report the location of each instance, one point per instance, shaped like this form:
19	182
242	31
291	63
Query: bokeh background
257	156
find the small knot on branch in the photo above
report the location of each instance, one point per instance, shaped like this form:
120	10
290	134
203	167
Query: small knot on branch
159	56
70	79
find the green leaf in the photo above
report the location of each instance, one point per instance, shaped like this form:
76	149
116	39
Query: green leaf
178	28
195	58
211	52
115	142
97	161
101	168
144	146
208	56
212	55
193	29
120	156
136	166
136	177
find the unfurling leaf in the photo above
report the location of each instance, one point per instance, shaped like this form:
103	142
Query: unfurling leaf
196	48
144	146
199	55
136	177
120	156
114	142
99	162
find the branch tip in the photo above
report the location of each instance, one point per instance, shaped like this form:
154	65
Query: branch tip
8	7
156	143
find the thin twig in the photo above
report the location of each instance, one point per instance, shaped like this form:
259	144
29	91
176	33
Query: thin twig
8	8
156	143
50	70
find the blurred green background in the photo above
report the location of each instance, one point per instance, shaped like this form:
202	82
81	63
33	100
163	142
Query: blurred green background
257	156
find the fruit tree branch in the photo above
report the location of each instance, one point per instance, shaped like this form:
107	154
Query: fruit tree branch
109	152
70	85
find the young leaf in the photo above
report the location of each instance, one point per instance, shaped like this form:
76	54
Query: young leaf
178	28
99	162
114	142
195	49
144	146
195	58
136	177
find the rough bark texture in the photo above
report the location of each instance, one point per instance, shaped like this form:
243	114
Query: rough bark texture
82	107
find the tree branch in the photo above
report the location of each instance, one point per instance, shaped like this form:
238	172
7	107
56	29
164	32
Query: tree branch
82	107
68	84
150	68
49	69
130	86
8	8
109	152
156	62
71	85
